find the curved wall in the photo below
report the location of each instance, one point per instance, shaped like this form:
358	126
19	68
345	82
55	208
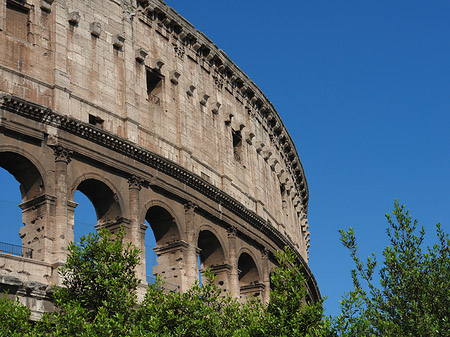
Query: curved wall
131	105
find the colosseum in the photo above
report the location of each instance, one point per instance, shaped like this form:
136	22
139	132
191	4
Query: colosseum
129	104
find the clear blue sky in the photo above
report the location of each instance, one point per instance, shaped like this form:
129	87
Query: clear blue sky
363	88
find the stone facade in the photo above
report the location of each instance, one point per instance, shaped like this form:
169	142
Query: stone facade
128	103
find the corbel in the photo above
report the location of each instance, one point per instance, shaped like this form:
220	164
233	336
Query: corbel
260	146
46	5
95	28
158	64
74	18
215	107
196	45
119	41
190	90
174	76
140	55
203	98
228	119
249	137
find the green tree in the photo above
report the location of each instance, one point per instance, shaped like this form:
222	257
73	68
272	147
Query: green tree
413	297
14	318
290	311
201	311
98	297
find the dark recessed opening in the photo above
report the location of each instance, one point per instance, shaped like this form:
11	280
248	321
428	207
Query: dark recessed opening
96	121
154	86
237	145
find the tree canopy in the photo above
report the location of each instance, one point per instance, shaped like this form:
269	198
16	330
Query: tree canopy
413	295
98	298
411	298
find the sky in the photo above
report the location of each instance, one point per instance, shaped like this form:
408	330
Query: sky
363	89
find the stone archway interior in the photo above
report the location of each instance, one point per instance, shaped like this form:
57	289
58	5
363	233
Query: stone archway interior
212	257
211	253
108	214
104	200
248	272
163	226
34	206
249	280
168	247
31	183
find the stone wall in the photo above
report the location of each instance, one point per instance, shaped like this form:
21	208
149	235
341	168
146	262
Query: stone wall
131	105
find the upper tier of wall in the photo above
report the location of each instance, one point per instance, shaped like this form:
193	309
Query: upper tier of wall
142	72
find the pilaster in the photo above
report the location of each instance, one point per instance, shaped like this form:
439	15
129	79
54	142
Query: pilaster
192	250
265	293
135	233
62	160
234	272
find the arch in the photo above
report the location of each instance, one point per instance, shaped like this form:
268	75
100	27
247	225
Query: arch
169	247
163	224
248	251
27	172
211	251
248	270
213	230
212	256
249	277
25	169
163	205
105	198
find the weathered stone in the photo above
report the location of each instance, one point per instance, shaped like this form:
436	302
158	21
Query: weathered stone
191	154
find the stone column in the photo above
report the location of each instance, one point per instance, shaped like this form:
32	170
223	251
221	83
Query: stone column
62	159
191	252
135	234
265	275
234	273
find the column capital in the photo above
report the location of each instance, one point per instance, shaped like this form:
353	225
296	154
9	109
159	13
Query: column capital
232	231
62	154
190	207
135	182
264	253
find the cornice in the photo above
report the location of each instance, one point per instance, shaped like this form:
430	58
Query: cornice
120	145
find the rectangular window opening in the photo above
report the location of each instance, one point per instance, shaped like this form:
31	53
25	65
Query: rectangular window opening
154	86
96	121
17	19
237	145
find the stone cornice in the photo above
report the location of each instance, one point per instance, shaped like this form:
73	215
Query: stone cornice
216	61
120	145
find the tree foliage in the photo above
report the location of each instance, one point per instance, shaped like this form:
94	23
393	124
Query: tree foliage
411	298
99	299
14	318
413	295
290	312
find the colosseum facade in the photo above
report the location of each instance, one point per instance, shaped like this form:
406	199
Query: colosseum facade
129	104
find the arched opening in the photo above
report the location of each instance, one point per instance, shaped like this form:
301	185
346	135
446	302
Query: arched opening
95	206
249	280
22	185
10	199
163	248
85	218
212	257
